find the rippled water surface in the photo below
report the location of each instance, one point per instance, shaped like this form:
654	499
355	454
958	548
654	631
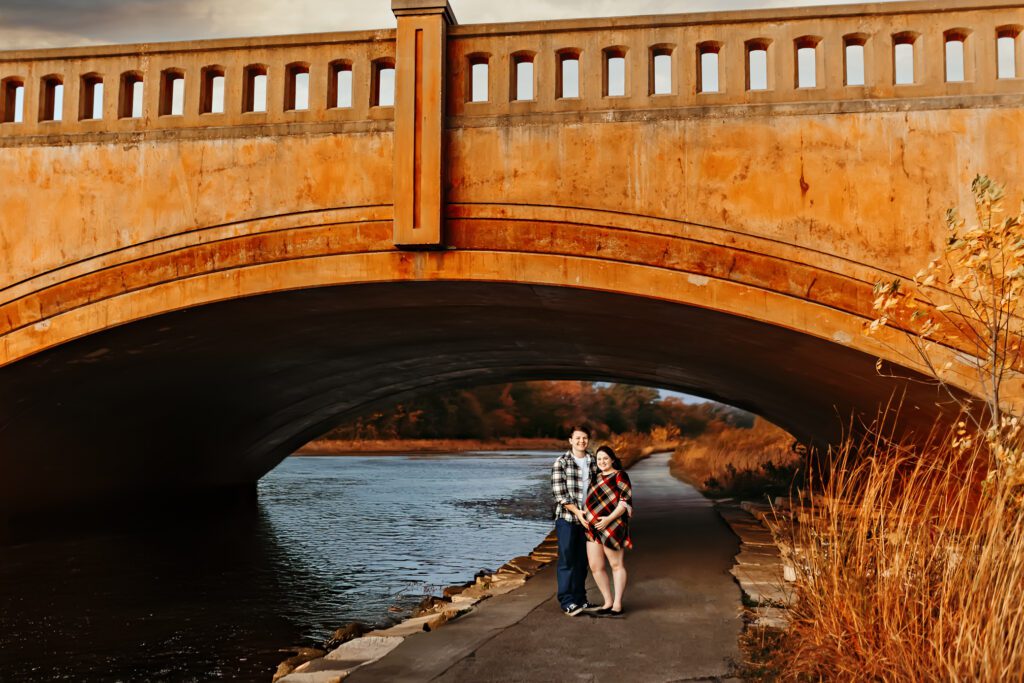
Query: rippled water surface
332	540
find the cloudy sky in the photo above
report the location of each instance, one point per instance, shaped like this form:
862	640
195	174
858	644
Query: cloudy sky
57	23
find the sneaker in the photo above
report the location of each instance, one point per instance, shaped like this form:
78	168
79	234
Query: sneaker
572	609
587	607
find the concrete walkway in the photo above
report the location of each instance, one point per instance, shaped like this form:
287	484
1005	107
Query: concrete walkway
683	607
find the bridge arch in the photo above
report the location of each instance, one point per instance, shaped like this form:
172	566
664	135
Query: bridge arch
235	363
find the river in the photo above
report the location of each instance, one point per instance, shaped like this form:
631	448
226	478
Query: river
331	540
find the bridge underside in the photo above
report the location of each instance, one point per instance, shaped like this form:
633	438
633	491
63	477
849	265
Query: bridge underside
215	396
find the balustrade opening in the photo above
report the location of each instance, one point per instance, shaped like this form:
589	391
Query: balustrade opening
1006	50
903	58
172	93
91	98
956	69
479	74
853	57
296	87
51	99
567	81
211	99
12	101
384	83
807	61
130	96
660	76
522	76
339	86
254	89
757	64
707	67
614	72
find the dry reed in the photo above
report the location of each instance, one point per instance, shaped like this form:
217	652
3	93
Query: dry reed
908	569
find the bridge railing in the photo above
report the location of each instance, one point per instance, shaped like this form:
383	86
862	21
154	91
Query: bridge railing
205	84
838	54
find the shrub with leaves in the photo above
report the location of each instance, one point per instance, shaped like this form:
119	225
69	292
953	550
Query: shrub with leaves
968	300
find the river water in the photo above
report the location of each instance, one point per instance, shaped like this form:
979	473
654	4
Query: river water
332	540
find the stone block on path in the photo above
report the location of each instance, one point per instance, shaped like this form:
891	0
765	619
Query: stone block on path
771	617
758	573
759	556
406	628
767	593
369	648
331	676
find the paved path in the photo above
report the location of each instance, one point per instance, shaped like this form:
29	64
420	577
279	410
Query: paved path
682	623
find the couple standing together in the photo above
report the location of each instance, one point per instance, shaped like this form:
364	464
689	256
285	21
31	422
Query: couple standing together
594	501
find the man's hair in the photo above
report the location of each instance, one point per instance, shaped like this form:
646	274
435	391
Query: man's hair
580	428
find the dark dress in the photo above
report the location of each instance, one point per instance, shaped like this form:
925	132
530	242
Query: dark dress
602	500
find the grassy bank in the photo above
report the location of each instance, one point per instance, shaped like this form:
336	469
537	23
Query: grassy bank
407	446
737	462
632	448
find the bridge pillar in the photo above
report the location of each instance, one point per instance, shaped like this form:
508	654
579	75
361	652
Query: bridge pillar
419	121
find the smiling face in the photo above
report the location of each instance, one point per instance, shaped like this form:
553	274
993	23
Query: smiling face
604	463
578	442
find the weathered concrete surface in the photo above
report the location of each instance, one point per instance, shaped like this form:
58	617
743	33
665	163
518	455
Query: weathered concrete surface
683	616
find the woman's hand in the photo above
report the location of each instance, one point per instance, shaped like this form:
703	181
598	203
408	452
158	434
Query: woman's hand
602	523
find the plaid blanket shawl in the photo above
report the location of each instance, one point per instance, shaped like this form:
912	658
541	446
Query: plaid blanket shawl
605	495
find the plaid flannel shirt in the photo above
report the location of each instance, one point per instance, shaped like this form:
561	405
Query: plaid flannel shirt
567	484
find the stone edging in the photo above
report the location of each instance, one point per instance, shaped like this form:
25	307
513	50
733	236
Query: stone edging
763	574
349	656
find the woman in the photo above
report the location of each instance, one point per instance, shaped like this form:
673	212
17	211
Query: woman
609	507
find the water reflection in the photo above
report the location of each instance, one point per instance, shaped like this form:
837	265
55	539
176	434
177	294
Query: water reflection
331	540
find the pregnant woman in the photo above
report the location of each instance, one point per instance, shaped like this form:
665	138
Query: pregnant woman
609	506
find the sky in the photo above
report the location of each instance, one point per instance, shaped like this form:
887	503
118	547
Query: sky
64	23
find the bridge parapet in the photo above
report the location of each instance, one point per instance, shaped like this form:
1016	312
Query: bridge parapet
766	57
837	54
257	86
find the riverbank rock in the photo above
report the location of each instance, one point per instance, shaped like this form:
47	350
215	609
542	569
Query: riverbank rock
345	634
302	655
451	591
429	605
522	565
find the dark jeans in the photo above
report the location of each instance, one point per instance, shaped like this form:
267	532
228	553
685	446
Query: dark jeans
572	563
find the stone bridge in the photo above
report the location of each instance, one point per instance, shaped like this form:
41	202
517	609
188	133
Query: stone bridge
212	251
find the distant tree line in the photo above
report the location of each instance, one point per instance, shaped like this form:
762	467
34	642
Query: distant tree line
538	409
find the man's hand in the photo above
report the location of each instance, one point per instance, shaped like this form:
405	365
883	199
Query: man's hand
582	517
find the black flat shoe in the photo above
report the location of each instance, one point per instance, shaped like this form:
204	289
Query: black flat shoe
604	611
613	613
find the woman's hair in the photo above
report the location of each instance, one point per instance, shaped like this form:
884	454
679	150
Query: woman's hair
607	450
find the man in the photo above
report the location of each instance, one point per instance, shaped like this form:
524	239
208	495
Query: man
571	476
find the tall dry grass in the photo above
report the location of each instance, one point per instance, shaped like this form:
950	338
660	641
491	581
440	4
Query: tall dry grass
635	446
908	569
737	461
